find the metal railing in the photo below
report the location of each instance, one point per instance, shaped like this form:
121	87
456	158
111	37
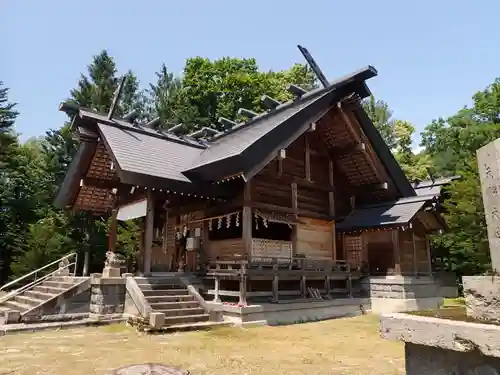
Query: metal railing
63	263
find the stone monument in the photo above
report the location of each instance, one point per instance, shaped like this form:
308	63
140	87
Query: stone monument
468	344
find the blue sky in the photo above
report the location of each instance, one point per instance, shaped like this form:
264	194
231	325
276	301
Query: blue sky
431	55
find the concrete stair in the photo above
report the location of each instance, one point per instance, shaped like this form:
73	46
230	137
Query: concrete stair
169	296
37	296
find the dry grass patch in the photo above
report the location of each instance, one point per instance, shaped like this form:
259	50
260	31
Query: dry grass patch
341	346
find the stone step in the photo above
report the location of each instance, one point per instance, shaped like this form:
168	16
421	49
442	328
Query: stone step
182	312
165	292
39	295
157	306
58	284
186	319
195	326
14	305
158	280
48	289
28	300
169	298
160	286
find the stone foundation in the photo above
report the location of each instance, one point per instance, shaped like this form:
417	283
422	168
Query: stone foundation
404	287
292	312
107	296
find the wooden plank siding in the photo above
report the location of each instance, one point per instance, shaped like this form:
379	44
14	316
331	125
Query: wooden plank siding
315	238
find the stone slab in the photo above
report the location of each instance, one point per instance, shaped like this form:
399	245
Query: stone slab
442	333
482	297
488	158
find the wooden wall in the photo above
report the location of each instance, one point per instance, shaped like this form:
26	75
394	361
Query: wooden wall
380	251
225	249
314	238
305	165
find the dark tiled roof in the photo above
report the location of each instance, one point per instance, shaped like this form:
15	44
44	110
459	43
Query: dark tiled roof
243	136
140	153
384	214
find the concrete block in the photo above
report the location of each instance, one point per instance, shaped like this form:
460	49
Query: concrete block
157	319
482	297
12	316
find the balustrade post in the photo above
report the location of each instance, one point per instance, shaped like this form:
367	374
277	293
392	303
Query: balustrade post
303	287
243	286
217	288
275	284
327	285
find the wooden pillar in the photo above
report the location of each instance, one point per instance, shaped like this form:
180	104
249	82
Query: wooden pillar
148	232
414	248
307	158
113	230
428	251
331	209
164	245
396	250
246	221
295	208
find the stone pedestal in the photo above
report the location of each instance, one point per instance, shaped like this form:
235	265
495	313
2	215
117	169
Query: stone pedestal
482	297
110	271
107	298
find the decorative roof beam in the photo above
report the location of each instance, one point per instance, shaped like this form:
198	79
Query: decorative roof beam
269	102
131	117
116	98
247	113
152	124
296	90
97	183
315	67
228	124
204	132
177	129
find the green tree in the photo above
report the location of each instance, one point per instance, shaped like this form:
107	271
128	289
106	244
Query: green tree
164	97
452	144
213	89
381	116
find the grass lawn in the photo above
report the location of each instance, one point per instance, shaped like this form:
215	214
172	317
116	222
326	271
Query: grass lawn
341	346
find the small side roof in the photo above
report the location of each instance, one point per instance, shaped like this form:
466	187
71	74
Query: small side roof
399	212
433	187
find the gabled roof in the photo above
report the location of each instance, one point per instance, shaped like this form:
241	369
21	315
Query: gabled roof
399	212
151	158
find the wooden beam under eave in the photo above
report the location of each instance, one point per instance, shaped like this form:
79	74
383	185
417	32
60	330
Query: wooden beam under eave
101	184
340	152
358	136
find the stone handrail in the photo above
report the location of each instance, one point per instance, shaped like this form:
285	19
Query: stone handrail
135	293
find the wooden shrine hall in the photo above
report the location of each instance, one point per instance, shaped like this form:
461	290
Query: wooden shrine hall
306	189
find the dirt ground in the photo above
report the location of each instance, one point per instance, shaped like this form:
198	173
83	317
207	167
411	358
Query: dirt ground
341	346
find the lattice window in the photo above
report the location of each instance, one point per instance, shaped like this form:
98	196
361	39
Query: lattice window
354	250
